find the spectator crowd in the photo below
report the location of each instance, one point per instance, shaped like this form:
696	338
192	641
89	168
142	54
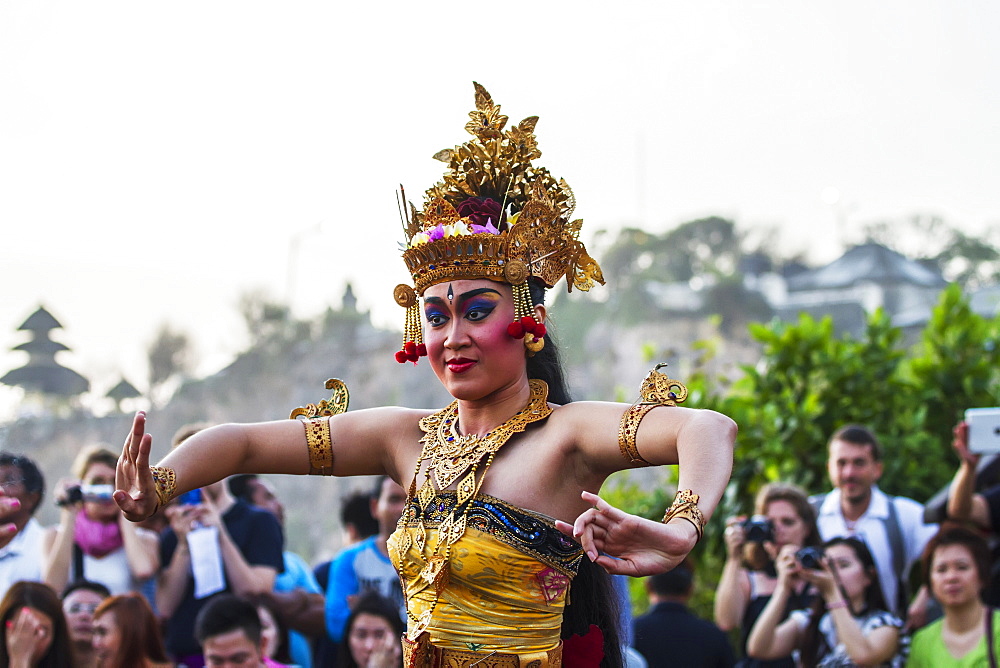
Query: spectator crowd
820	580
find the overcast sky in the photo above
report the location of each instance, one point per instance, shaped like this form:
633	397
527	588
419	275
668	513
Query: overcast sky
159	159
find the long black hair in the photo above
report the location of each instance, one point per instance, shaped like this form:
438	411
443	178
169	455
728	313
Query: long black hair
593	598
545	364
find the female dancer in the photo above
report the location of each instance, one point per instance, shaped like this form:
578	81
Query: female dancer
494	477
956	568
848	626
749	578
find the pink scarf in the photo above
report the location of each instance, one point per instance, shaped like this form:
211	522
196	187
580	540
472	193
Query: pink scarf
96	538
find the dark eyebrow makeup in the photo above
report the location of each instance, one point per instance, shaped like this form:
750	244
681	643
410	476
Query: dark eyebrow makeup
465	296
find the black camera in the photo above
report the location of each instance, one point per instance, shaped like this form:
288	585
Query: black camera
810	558
758	529
73	495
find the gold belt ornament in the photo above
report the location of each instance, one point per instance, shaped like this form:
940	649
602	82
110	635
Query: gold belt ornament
422	654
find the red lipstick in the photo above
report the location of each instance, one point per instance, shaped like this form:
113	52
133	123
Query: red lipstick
459	364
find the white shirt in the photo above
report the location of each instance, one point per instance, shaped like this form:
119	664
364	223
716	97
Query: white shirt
21	558
871	528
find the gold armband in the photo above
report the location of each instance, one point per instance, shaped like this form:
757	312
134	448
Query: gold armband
320	445
657	390
685	506
166	483
627	431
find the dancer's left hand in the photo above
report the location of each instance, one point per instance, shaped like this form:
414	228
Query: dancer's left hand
631	545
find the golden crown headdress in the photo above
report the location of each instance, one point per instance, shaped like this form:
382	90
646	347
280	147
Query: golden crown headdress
494	215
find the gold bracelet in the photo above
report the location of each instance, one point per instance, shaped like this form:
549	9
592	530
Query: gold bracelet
320	445
627	430
685	506
166	483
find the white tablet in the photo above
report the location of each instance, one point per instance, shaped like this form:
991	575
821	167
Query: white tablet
984	429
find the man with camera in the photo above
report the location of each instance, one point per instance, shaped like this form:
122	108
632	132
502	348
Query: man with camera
892	527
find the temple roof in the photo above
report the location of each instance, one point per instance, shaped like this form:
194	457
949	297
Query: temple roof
48	379
41	346
867	263
123	390
40	321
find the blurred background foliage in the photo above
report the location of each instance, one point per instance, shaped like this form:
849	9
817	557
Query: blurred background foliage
808	382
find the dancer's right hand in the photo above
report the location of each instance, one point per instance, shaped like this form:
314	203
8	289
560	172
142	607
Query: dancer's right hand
135	492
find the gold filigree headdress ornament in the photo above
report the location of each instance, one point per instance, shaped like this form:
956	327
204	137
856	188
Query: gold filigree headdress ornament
494	215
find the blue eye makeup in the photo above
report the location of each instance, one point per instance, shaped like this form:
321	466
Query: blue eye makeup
435	318
478	309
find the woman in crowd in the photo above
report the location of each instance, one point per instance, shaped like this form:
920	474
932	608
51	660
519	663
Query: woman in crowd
749	578
371	635
848	624
79	601
956	568
34	629
93	541
127	634
508	469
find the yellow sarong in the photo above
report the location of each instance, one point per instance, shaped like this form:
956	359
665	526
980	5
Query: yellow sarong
508	576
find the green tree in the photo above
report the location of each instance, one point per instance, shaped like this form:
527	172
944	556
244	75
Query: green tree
809	382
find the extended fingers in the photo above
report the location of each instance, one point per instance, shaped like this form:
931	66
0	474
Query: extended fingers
135	437
599	504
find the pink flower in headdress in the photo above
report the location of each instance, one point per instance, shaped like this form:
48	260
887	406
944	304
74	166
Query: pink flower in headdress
481	210
437	233
487	229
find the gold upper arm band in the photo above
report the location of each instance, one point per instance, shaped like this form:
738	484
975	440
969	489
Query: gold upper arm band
320	445
657	390
627	430
316	418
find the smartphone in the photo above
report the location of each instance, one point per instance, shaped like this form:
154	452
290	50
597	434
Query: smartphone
984	429
192	498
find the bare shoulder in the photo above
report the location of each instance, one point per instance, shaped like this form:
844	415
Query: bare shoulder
379	440
383	419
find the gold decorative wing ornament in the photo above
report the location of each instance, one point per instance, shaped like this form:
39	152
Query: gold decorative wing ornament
335	405
659	389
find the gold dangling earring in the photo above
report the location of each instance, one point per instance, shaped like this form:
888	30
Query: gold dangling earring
526	326
413	347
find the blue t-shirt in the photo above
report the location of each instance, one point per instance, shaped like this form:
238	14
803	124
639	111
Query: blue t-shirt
359	568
